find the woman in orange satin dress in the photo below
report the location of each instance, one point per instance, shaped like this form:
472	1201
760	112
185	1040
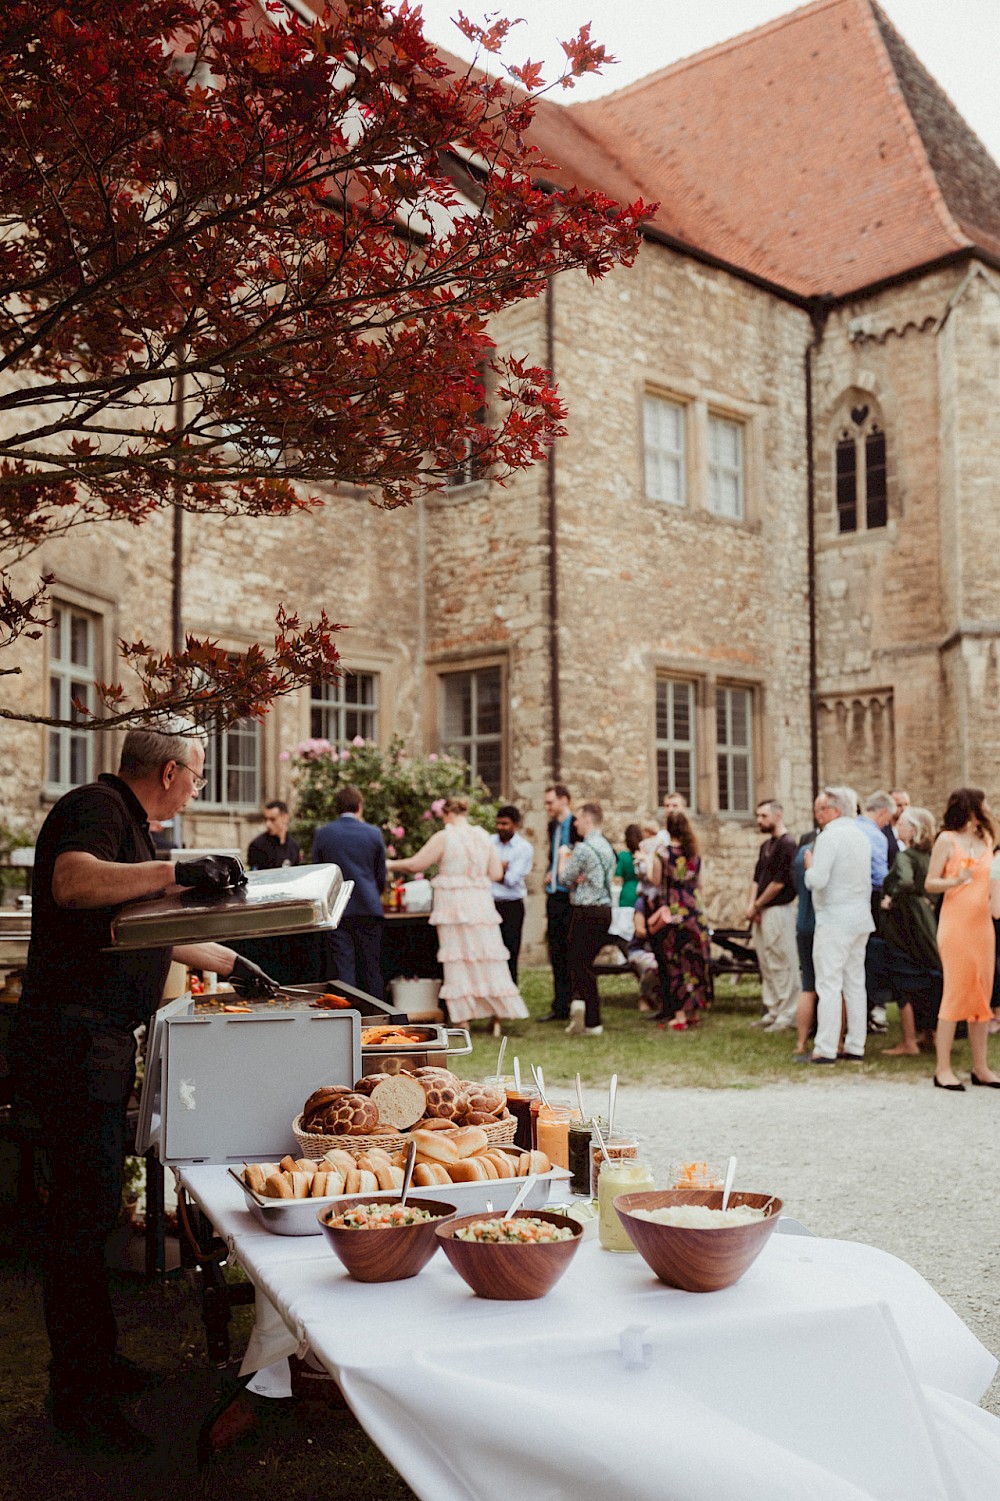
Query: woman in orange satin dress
960	869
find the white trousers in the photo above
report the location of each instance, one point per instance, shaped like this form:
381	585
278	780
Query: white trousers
839	961
778	957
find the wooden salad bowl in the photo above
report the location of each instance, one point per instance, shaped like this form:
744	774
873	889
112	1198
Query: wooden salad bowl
384	1255
699	1261
510	1272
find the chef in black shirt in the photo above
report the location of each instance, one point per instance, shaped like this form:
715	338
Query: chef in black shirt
275	847
74	1048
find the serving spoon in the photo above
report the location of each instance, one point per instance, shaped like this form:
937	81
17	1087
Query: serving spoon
411	1157
520	1196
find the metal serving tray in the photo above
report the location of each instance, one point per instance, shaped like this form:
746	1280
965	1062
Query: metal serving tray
298	1216
295	899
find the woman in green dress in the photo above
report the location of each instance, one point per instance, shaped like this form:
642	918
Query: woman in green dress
625	869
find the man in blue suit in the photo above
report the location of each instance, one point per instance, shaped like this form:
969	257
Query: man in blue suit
355	948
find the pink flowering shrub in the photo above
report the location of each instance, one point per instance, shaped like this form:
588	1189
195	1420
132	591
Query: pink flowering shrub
404	794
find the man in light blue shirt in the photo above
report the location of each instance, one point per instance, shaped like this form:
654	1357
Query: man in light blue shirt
516	857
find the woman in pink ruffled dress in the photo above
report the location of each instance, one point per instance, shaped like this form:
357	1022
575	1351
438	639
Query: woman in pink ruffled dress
477	982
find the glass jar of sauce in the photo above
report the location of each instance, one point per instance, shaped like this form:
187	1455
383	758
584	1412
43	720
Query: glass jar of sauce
521	1104
620	1175
581	1134
553	1132
621	1145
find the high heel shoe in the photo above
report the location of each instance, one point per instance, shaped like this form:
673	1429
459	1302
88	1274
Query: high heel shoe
985	1083
955	1088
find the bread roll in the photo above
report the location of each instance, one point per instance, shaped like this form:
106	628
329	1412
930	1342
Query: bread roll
479	1118
468	1170
300	1185
444	1101
367	1082
254	1177
317	1185
503	1162
470	1140
427	1175
339	1160
434	1145
383	1173
278	1187
401	1101
367	1182
487	1099
429	1124
491	1168
349	1114
305	1165
397	1176
352	1181
533	1162
324	1096
287	1165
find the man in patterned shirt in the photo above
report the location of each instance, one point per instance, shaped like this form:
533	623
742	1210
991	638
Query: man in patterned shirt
587	872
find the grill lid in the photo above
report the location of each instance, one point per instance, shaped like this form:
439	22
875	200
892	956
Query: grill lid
295	899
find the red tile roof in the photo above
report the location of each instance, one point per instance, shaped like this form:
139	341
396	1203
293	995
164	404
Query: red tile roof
816	152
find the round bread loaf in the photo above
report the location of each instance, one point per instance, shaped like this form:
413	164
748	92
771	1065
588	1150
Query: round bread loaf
443	1101
400	1101
349	1114
367	1083
487	1099
434	1074
324	1096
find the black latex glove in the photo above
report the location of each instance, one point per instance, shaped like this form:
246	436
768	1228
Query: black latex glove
249	980
212	873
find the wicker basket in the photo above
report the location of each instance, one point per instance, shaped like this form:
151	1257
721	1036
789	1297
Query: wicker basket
500	1133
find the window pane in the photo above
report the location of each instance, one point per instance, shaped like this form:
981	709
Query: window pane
739	716
663	449
472	721
725	802
79	769
682	711
55	757
488	701
69	756
847	486
721	716
875	480
675	739
80	650
488	764
682	776
458	704
725	467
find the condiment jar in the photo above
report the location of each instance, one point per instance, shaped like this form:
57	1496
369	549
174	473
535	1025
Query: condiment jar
553	1132
581	1134
619	1175
520	1103
622	1144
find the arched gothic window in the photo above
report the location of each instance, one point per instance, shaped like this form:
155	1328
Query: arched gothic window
862	494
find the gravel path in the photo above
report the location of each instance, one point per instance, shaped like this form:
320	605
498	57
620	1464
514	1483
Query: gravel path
904	1167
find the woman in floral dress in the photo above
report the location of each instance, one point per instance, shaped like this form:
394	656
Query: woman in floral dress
681	941
477	981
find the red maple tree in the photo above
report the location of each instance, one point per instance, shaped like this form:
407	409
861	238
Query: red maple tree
243	253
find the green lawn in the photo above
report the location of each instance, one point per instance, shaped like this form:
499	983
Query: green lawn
725	1052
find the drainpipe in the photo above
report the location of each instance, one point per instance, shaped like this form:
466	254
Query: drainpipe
818	312
177	566
554	699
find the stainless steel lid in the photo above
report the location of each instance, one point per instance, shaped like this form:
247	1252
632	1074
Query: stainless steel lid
295	899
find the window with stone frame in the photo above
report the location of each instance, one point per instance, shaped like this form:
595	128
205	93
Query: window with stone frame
232	766
675	740
664	444
472	721
726	467
73	643
341	710
861	489
734	749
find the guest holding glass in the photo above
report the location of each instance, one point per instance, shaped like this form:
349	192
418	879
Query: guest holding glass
908	929
960	870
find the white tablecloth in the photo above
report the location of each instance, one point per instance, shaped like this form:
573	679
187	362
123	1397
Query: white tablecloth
830	1372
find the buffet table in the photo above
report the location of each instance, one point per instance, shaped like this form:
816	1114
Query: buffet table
830	1371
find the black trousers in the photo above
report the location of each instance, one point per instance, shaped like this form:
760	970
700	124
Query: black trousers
511	926
77	1082
355	954
588	933
558	913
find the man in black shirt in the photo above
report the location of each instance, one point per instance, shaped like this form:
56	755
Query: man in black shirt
771	915
275	847
74	1048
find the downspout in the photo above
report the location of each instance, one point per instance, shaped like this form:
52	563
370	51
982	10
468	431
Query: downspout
177	566
818	313
554	699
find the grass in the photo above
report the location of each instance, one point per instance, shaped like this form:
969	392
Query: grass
725	1052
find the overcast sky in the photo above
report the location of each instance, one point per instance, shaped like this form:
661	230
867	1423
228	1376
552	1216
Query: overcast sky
957	40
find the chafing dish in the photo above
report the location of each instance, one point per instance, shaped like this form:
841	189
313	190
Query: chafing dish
295	899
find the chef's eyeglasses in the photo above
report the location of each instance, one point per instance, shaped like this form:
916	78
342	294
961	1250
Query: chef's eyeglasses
199	782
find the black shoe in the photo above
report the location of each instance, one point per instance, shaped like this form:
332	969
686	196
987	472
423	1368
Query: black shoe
99	1427
852	1057
955	1088
552	1016
985	1083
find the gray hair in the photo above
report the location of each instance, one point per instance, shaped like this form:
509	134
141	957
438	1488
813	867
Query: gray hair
843	798
145	752
880	802
921	821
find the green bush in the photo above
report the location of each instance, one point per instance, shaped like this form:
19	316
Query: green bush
402	793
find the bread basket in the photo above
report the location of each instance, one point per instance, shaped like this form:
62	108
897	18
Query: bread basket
499	1133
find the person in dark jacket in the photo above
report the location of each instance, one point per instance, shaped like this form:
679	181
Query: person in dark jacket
355	948
908	929
275	848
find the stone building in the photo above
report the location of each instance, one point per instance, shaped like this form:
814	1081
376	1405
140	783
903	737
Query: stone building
762	555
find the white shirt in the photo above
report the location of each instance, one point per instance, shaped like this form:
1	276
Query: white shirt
518	857
840	878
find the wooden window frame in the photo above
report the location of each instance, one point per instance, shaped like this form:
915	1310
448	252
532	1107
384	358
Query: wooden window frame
339	708
669	746
462	667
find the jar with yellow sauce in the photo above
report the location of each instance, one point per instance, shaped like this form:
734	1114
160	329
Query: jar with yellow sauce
622	1175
